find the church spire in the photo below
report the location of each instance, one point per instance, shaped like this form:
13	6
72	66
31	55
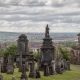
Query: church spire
47	31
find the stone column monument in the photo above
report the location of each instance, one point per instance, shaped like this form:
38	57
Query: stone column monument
10	65
23	75
47	53
23	51
32	70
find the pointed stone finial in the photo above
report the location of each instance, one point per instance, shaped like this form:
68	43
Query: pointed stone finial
47	31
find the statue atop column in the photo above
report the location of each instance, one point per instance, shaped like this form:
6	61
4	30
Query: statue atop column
47	31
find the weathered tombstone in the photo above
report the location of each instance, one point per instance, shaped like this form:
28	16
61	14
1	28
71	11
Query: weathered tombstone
65	64
0	67
38	74
68	65
59	70
47	53
17	60
4	70
10	65
46	69
24	75
52	68
62	66
13	78
32	73
1	77
1	62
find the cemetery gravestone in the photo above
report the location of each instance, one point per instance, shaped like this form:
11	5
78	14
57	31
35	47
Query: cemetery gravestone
4	70
68	65
37	74
52	67
13	78
32	73
1	62
10	65
1	77
23	75
46	69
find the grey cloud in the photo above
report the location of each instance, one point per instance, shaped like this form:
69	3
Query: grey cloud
29	14
54	3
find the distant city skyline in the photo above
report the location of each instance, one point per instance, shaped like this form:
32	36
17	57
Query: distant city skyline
34	15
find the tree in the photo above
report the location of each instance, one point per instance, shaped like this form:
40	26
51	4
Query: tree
11	50
2	52
65	53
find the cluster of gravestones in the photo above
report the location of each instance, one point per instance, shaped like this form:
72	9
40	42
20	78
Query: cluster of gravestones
26	62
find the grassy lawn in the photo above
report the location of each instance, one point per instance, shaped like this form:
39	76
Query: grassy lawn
74	74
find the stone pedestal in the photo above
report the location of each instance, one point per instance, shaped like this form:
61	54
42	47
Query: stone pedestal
0	67
32	72
68	65
10	65
10	69
1	63
1	77
3	68
58	69
52	68
46	70
17	61
65	65
38	74
24	75
13	78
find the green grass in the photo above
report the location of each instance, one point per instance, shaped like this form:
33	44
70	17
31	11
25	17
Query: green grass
74	74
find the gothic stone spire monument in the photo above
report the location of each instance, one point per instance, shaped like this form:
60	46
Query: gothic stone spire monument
47	53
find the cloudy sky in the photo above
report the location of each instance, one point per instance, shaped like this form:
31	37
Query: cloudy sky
33	15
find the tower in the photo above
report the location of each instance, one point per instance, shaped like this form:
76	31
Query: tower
47	52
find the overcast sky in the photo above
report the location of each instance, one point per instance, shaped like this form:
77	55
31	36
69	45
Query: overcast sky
33	15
